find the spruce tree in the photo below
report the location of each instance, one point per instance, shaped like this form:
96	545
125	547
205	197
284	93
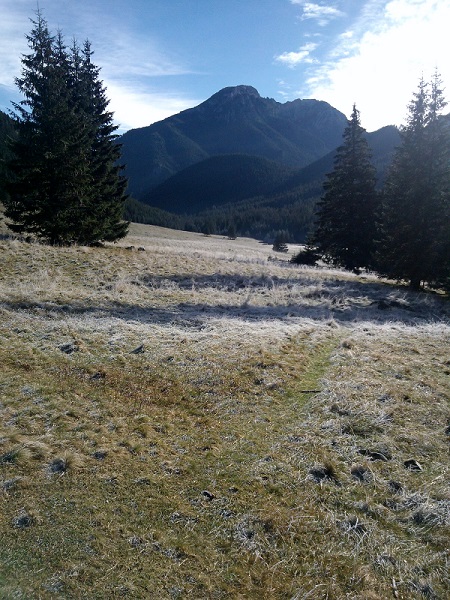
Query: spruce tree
414	231
346	225
7	134
438	132
65	186
280	241
104	201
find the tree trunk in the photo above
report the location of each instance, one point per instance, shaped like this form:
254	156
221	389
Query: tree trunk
414	283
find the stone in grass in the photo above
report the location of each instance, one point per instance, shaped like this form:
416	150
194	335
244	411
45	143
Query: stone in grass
70	348
208	495
412	465
384	398
323	473
361	473
10	484
135	541
425	589
395	486
8	457
382	454
139	350
100	454
23	521
59	465
98	376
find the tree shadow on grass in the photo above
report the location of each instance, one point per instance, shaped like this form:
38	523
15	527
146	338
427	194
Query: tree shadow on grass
248	299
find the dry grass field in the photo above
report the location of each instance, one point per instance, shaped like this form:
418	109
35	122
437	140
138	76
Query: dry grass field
185	416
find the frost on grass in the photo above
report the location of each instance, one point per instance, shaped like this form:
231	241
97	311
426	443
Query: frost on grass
243	420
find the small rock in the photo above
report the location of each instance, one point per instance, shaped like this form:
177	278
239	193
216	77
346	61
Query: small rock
8	457
379	454
138	350
325	473
395	486
412	465
97	376
361	473
23	520
142	481
384	398
100	454
69	348
59	465
9	484
208	495
135	541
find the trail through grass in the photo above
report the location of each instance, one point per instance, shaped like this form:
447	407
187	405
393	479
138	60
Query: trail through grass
195	420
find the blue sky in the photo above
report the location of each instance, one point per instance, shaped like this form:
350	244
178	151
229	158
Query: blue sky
159	57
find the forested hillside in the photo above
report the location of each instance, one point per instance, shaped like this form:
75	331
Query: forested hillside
250	195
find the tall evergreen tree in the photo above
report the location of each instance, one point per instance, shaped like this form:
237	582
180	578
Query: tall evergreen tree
7	134
438	131
414	231
345	226
59	190
104	203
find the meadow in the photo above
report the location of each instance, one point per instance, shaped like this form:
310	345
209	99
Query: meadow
184	416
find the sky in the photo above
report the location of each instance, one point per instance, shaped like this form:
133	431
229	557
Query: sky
159	57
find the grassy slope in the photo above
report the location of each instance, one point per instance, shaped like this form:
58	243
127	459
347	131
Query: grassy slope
183	469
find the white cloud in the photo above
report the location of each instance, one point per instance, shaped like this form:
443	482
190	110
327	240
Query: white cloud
292	59
129	62
128	56
379	66
129	70
323	13
134	107
13	26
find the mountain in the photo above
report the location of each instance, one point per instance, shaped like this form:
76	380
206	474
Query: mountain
235	120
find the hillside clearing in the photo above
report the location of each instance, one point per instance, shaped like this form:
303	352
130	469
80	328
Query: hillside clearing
191	417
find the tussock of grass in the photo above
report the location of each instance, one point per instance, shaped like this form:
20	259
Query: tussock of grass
195	420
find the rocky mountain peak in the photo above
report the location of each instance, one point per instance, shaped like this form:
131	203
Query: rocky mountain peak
235	91
235	120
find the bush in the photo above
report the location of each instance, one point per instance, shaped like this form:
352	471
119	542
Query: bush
307	256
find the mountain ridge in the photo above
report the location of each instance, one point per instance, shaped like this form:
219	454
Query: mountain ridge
235	120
